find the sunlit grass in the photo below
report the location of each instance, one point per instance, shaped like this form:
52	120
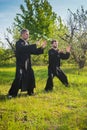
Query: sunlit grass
62	109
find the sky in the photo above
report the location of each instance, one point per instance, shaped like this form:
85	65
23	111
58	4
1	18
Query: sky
9	9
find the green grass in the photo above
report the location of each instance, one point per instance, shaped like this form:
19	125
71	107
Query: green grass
62	109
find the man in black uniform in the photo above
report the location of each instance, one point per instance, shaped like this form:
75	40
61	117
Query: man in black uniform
24	78
54	65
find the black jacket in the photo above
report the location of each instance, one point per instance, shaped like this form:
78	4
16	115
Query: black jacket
23	63
23	53
54	58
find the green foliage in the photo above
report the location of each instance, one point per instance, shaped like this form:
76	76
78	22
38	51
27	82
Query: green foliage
38	17
14	32
6	57
62	109
41	21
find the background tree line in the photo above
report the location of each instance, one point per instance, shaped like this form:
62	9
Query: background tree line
43	23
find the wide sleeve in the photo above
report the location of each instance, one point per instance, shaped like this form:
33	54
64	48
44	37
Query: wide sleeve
38	51
21	48
64	55
29	49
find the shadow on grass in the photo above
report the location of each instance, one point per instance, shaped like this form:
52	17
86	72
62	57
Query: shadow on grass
3	97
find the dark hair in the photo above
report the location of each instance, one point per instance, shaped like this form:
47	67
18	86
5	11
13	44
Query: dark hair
53	41
23	31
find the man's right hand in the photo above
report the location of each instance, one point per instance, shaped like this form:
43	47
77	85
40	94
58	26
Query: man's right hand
44	43
68	49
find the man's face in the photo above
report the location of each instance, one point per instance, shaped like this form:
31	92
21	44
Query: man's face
55	44
25	35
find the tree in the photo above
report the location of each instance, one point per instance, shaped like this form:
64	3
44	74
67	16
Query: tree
7	49
77	36
6	56
37	16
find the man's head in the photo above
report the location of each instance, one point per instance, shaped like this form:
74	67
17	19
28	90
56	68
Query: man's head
25	34
54	43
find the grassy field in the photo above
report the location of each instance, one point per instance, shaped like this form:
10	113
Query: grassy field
62	109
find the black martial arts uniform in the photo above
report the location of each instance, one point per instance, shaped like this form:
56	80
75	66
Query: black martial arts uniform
24	78
54	68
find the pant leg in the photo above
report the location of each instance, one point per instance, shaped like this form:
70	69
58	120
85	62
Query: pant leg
14	88
49	84
31	82
16	84
62	77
